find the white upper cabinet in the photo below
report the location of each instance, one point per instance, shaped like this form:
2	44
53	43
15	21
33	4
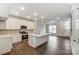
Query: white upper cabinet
16	23
4	11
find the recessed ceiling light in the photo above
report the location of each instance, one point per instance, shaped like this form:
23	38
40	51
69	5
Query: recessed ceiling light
28	17
77	10
42	17
22	8
35	14
16	13
58	18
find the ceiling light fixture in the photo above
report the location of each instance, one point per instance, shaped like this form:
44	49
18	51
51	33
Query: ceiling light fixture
16	13
35	14
42	17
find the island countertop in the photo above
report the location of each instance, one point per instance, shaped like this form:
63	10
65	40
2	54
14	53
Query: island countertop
5	35
39	35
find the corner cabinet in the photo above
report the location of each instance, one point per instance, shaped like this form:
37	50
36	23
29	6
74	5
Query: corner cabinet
4	11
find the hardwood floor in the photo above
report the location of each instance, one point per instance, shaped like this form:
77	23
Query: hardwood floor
54	46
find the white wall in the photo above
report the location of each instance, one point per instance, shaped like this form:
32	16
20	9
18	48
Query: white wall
2	24
5	43
4	9
40	27
15	23
60	29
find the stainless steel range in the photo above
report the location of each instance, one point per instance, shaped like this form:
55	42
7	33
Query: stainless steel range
23	31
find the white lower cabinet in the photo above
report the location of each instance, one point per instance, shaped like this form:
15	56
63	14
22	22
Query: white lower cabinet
36	40
75	47
5	43
16	38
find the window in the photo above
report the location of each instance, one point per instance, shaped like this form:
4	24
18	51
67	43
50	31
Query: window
52	28
67	25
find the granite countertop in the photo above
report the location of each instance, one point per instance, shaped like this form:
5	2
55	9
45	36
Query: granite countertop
39	35
5	35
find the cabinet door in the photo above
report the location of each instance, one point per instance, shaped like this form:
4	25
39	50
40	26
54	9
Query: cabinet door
75	32
12	23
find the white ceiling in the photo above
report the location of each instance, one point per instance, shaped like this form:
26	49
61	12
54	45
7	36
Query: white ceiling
48	10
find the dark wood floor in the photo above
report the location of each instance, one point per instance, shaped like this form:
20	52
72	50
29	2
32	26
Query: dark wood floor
55	46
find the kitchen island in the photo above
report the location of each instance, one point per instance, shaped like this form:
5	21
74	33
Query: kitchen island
36	40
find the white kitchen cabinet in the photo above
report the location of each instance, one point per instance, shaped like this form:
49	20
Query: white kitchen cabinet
4	11
2	24
5	43
16	23
16	37
12	23
75	32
